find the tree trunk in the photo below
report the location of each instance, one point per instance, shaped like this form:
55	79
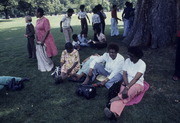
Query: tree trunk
6	13
154	23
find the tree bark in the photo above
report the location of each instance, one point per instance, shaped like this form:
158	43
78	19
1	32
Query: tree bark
6	13
154	23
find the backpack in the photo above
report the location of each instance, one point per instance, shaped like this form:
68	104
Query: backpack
87	91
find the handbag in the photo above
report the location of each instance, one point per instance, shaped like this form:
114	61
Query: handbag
87	91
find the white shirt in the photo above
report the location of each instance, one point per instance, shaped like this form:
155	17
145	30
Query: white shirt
29	23
82	14
96	19
75	43
112	66
66	21
101	37
132	70
82	39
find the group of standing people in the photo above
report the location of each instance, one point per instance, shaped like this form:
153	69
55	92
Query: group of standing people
45	45
127	16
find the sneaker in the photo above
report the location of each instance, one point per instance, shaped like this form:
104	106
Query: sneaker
97	85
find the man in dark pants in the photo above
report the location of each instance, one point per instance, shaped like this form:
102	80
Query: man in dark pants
176	75
30	36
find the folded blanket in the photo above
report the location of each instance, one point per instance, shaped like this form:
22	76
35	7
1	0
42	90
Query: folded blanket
138	98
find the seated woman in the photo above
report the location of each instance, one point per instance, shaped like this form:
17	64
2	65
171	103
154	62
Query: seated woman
85	68
101	40
133	75
70	61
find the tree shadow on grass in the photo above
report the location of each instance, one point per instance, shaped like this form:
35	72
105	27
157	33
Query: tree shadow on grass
5	20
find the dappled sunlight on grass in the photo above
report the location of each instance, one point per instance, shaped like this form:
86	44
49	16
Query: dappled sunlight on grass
7	112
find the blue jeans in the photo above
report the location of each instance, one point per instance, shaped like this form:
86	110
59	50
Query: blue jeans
99	70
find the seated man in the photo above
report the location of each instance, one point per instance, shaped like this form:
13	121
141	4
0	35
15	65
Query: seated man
112	69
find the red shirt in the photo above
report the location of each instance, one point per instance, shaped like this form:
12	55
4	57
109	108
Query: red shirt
114	13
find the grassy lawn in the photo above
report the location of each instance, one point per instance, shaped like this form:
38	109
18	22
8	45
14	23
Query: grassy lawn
42	101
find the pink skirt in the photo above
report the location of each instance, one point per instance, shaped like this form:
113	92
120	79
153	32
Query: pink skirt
118	106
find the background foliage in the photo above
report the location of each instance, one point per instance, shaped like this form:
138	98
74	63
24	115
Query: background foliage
19	8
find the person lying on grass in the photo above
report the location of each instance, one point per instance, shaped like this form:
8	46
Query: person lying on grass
85	68
111	70
70	61
6	80
133	76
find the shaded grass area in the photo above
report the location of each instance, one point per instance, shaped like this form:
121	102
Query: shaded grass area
42	101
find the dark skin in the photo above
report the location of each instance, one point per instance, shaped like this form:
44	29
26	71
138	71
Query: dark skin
116	17
113	55
61	29
38	15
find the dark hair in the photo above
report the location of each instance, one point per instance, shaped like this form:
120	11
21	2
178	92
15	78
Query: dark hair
41	11
82	7
70	11
68	45
94	10
131	5
136	51
74	36
114	6
99	7
113	46
127	4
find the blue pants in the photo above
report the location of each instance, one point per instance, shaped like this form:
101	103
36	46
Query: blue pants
99	70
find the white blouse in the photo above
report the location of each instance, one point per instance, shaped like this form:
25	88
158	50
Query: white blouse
132	70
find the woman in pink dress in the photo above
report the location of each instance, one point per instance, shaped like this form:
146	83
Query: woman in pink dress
45	47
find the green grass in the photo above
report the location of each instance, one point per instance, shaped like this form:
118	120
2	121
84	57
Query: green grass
42	101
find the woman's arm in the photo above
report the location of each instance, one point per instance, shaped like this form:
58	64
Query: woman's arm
45	36
133	81
70	69
125	77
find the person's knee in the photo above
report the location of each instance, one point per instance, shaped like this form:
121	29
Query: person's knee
97	66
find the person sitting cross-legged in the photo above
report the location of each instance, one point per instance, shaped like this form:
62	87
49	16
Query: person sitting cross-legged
112	69
70	61
133	77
